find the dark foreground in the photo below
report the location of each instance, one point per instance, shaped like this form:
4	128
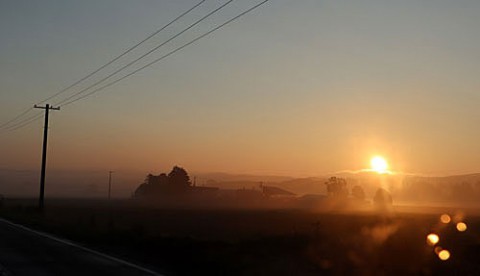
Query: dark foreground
239	241
23	252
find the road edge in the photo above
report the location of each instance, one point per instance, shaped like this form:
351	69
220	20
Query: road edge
73	244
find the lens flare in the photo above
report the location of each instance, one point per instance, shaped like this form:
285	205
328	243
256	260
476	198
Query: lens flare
461	226
445	218
433	239
444	255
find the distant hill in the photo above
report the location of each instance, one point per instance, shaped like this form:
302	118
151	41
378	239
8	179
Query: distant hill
25	183
310	185
226	177
90	184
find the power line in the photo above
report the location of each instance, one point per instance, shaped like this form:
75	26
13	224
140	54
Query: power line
166	55
124	53
36	117
146	54
25	122
4	125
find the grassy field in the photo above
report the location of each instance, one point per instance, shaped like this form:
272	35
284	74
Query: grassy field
179	241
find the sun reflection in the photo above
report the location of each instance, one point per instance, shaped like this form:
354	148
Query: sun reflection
445	218
444	255
461	226
433	239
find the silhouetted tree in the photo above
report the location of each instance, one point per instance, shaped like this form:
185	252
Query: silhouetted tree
337	187
159	184
178	179
141	191
358	193
149	179
382	199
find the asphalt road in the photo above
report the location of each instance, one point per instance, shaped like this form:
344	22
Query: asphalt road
26	252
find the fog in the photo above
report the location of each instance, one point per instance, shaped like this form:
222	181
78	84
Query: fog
460	190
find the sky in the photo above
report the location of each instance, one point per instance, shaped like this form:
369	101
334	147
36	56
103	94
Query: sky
299	88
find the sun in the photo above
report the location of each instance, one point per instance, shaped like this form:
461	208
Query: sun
379	164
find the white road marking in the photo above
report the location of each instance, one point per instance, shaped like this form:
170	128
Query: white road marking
70	243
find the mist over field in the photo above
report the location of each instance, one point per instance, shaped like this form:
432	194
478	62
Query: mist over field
405	189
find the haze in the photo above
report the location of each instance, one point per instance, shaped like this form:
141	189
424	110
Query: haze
296	88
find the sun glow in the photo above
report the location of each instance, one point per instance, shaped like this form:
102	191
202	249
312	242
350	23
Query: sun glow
379	164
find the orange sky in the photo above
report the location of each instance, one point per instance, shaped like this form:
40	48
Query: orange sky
298	89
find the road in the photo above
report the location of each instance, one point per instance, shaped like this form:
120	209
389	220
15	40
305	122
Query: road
27	252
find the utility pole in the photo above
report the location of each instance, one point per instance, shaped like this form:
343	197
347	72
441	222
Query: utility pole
109	183
44	153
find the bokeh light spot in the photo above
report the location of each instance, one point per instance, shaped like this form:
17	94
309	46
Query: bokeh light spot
433	239
461	226
445	218
444	255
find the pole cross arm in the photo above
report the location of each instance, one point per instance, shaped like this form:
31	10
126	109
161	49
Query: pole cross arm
47	107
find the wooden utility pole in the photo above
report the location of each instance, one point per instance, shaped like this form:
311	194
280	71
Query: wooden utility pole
109	184
44	153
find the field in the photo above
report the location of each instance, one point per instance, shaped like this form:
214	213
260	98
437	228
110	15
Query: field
236	241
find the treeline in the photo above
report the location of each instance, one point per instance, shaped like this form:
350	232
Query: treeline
175	182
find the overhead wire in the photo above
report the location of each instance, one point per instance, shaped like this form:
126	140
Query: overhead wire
25	112
146	54
166	55
71	99
12	123
22	123
124	53
27	122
